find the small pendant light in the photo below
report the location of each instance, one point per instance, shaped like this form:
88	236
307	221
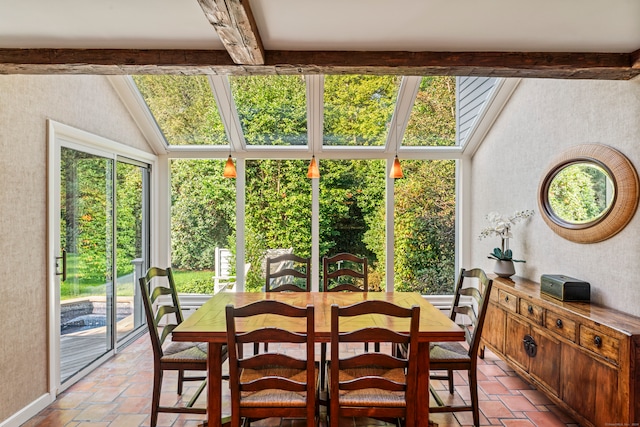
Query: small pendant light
396	169
229	168
313	171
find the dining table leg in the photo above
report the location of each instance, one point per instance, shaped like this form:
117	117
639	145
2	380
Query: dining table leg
422	384
214	386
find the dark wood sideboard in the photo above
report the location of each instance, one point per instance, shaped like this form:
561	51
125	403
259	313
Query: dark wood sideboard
585	357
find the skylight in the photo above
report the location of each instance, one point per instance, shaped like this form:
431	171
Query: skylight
273	111
184	108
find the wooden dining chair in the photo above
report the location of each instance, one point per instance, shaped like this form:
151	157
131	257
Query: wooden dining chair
292	274
373	384
286	273
163	314
271	384
454	356
345	272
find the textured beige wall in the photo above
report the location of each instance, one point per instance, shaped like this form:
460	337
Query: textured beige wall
26	102
542	118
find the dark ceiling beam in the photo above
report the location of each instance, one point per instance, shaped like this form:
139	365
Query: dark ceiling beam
602	66
236	27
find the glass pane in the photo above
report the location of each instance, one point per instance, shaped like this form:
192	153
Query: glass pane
358	109
433	118
581	193
202	219
424	227
352	212
129	239
272	109
86	193
184	108
278	213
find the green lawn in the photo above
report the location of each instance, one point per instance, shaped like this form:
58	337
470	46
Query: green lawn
186	281
198	282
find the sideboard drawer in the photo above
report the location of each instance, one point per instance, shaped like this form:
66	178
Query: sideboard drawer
531	311
508	301
602	344
560	324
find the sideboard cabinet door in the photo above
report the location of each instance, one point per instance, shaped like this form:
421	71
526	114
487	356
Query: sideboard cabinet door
494	326
534	351
591	388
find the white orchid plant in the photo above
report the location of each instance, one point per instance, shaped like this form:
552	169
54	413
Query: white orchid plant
501	226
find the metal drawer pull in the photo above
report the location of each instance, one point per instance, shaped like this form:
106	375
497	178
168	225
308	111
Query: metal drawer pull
559	323
598	341
506	299
530	309
530	346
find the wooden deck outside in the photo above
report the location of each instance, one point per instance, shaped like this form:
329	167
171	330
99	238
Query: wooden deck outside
79	349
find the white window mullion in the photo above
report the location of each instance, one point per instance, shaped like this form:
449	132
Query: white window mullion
315	91
240	220
389	228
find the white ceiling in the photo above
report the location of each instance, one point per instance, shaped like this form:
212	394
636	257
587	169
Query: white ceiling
409	25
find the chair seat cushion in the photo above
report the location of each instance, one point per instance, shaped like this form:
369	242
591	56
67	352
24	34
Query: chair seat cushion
274	397
187	352
372	396
448	352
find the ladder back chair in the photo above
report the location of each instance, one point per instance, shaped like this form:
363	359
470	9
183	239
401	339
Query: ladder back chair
454	356
163	314
343	272
374	384
271	384
292	274
286	273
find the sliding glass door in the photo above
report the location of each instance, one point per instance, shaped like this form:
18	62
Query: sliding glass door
103	249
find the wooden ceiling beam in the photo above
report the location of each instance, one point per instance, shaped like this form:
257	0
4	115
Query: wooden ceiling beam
236	27
602	66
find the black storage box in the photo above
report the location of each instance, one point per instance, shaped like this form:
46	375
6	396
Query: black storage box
565	288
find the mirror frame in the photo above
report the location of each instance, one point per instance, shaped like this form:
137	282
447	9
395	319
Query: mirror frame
625	203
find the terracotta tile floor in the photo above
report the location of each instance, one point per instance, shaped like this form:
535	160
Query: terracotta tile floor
118	394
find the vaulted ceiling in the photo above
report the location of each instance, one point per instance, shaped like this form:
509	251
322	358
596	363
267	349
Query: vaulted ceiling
591	39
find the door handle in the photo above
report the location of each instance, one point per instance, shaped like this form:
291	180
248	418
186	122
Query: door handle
62	258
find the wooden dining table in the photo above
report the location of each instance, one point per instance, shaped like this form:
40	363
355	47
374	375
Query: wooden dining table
208	324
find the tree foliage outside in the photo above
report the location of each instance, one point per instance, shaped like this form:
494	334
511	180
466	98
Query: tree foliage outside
86	216
425	228
202	212
129	225
184	108
578	193
272	109
433	118
358	109
277	213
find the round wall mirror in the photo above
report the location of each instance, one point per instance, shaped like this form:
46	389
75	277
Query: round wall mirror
589	193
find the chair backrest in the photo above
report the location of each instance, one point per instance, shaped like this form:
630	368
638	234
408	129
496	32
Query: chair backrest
222	265
345	272
288	272
380	363
163	314
475	311
256	331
